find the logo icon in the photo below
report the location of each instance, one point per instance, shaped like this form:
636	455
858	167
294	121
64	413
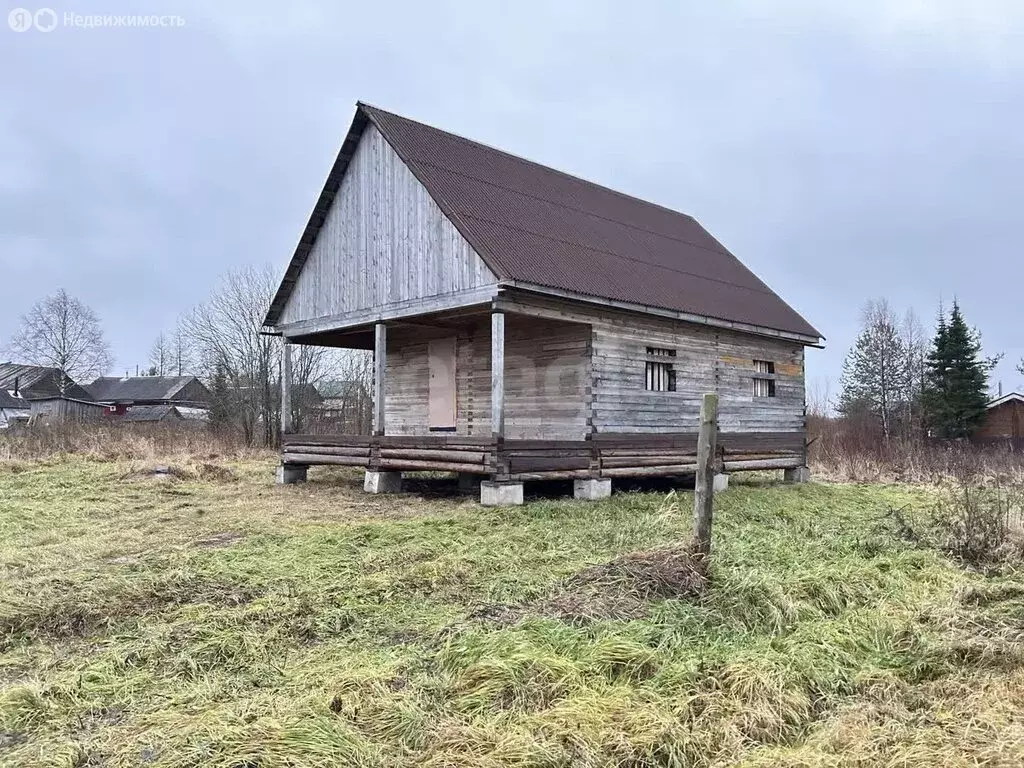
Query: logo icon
45	19
20	20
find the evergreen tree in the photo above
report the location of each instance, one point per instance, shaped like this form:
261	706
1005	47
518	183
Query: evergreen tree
220	408
875	372
956	378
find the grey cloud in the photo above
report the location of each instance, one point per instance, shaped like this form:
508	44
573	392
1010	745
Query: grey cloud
842	153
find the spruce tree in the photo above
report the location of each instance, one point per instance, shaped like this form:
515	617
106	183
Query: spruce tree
956	385
220	407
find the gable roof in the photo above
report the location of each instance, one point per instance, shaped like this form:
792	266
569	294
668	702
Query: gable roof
1011	396
535	226
113	388
36	381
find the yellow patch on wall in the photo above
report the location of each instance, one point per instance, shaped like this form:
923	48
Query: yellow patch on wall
789	369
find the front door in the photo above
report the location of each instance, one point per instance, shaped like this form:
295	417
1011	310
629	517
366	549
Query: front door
441	410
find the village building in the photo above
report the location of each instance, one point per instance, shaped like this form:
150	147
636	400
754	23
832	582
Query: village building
36	381
527	324
1004	421
121	394
13	410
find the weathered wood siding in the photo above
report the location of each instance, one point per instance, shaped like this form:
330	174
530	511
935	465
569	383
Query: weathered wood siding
1003	422
707	360
546	376
384	241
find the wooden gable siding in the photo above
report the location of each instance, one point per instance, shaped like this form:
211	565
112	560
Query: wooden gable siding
193	392
546	378
384	241
1003	422
707	360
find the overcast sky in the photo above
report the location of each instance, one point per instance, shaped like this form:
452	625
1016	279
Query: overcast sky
841	154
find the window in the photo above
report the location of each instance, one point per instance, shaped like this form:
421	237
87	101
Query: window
661	374
763	385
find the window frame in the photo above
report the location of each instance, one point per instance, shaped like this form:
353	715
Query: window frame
764	379
659	370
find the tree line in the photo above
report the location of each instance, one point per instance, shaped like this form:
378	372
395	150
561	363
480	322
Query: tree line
222	341
900	382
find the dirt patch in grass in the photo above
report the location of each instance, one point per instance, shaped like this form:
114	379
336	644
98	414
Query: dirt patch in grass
621	589
76	613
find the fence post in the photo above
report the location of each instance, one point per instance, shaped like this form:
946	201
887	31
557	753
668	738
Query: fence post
704	491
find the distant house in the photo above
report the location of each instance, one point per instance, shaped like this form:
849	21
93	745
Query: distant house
13	410
35	381
61	409
1004	421
348	404
122	394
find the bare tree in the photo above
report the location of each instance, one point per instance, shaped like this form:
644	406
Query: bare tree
819	396
227	331
915	346
160	355
61	332
181	351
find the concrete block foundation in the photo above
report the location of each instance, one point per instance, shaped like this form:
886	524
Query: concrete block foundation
500	494
382	482
287	474
592	489
797	475
721	483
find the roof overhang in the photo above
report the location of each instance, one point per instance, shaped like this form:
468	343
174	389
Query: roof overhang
1007	398
713	322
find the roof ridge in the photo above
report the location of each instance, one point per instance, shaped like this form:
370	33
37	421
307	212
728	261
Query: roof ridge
491	148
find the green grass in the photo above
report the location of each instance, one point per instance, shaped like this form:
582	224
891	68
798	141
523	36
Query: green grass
227	622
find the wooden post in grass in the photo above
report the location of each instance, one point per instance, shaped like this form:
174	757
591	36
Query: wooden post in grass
704	492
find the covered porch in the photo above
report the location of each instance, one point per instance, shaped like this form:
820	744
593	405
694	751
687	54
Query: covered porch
503	393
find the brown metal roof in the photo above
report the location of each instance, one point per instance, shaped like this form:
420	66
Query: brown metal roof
535	225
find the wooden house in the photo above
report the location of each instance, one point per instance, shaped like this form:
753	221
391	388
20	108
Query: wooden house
60	409
527	324
37	381
1004	421
120	394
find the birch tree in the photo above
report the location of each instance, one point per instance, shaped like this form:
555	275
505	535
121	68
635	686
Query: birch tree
61	332
875	370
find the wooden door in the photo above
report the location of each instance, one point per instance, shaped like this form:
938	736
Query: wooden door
441	409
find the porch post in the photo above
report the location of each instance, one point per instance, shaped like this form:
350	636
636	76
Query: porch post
286	387
287	473
375	480
498	374
380	366
492	492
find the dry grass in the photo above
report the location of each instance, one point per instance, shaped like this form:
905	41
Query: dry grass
123	441
210	618
842	452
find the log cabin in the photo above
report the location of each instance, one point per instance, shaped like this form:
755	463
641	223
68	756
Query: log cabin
527	324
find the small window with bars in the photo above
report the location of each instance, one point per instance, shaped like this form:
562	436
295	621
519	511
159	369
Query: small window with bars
661	373
764	381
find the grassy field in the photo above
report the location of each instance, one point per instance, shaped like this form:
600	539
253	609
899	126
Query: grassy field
213	619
